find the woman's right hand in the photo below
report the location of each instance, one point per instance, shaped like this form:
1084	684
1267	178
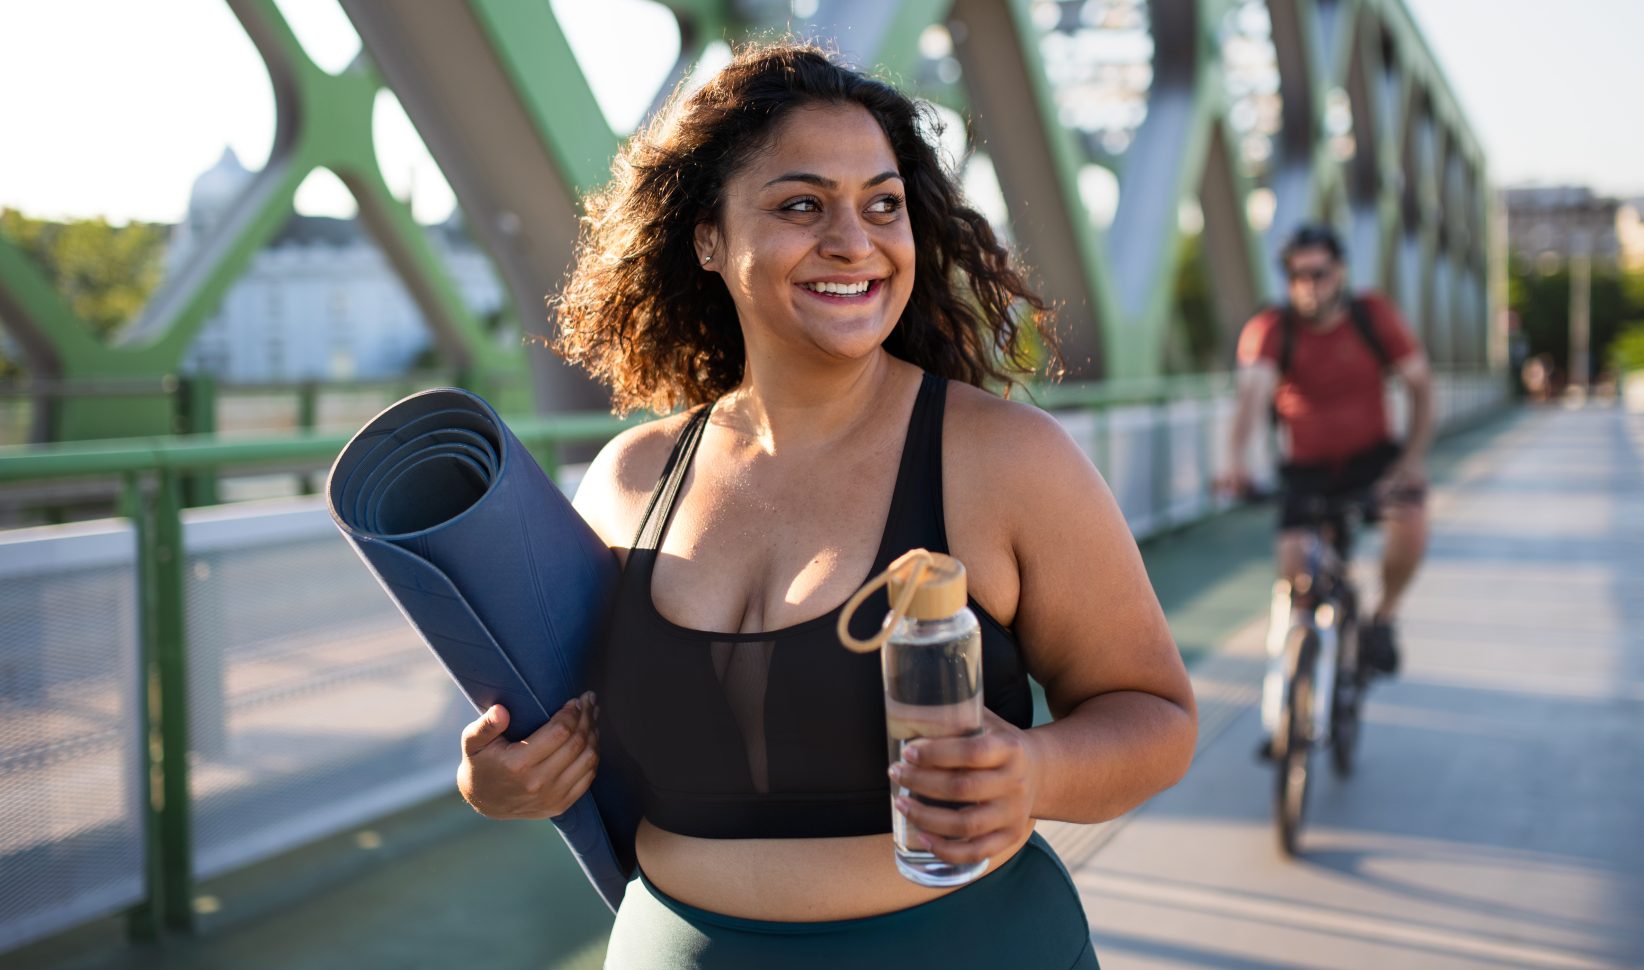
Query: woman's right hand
538	777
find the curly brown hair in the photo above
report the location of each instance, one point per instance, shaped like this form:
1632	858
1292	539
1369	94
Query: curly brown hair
640	315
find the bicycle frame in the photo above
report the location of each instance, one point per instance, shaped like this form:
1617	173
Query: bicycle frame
1312	632
1305	606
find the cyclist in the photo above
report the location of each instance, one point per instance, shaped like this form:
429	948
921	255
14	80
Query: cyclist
1318	363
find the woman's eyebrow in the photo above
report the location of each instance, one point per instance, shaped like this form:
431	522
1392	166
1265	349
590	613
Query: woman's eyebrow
827	183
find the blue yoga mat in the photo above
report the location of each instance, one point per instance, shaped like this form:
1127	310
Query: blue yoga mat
504	580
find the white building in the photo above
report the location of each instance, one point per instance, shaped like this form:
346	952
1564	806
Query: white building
320	301
1548	224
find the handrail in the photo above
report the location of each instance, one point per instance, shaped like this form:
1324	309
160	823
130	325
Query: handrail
541	434
207	451
198	452
1143	390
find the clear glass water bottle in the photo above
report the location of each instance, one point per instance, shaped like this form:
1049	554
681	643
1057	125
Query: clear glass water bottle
932	663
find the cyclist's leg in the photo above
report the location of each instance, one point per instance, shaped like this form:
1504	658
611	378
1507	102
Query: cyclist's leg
1404	525
1404	529
1404	539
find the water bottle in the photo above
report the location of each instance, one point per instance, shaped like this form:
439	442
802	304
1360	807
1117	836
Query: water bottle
931	656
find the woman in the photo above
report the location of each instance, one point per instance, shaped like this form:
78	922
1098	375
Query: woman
783	251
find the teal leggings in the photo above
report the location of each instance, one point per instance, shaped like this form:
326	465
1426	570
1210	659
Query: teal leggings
1024	914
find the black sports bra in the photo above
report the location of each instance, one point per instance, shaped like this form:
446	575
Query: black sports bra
778	734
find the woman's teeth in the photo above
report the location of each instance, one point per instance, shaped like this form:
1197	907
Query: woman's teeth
839	289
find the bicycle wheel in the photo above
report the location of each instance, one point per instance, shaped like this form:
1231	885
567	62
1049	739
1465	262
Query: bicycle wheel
1295	728
1344	712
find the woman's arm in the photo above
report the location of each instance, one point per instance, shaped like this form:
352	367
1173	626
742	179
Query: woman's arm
1090	629
1094	636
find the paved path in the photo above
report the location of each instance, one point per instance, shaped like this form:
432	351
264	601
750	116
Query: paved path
1497	816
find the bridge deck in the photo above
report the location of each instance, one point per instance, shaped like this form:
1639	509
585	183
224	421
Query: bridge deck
1494	817
1493	820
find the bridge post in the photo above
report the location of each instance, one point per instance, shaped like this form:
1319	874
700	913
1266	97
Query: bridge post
156	512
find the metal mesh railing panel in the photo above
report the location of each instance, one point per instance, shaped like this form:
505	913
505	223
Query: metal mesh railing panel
313	704
71	829
1131	439
1189	475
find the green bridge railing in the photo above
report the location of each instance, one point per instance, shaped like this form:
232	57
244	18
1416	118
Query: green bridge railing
154	473
157	478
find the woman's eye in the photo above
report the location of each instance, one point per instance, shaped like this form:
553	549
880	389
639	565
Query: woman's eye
886	204
802	205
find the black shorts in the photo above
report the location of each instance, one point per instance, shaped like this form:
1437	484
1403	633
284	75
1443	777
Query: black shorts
1302	485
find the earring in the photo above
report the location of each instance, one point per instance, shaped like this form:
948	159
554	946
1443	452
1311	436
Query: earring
706	260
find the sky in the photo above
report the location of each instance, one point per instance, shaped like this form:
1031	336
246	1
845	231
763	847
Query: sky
1553	89
119	117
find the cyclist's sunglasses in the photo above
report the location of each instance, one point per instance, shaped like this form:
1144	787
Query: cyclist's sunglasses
1313	274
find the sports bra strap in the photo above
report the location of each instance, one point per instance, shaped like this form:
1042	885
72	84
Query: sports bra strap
668	484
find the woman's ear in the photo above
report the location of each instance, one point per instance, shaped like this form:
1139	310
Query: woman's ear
707	245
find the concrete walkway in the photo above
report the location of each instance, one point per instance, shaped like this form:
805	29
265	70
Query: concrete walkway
1497	815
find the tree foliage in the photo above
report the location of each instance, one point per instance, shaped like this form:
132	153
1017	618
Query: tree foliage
1195	342
1542	302
1627	350
105	272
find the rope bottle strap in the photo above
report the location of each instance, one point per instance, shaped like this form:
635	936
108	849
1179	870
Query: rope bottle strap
917	561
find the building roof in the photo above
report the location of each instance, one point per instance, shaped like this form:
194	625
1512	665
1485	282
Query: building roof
300	230
1555	197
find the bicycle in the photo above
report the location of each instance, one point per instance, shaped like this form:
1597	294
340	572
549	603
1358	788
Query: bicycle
1324	681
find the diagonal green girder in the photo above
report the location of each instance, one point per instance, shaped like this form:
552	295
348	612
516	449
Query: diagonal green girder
532	48
49	329
323	120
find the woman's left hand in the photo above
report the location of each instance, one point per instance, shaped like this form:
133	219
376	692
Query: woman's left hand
996	771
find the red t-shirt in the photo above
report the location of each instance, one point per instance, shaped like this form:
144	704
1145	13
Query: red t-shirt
1332	399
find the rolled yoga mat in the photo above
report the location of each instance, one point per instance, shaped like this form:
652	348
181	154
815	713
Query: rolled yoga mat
504	580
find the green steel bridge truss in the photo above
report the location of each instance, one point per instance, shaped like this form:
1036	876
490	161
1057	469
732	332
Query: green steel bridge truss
497	95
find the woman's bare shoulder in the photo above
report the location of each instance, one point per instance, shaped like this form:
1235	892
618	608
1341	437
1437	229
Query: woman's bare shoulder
999	437
619	482
1085	615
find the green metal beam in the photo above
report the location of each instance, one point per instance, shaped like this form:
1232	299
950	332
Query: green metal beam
58	342
22	463
1017	119
880	37
162	536
1150	200
51	333
532	48
1116	301
324	120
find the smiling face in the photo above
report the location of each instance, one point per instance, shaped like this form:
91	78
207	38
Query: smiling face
813	240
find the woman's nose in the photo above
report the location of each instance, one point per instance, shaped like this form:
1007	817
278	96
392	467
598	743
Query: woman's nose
844	237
